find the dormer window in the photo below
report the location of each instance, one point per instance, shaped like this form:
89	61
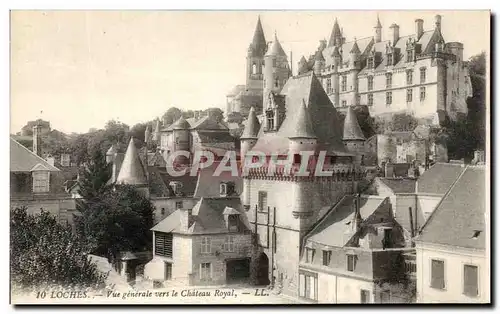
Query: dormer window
270	120
276	83
390	59
232	223
371	62
41	181
223	189
410	55
176	187
226	188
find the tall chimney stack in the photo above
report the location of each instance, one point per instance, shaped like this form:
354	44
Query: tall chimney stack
395	33
437	20
37	139
419	28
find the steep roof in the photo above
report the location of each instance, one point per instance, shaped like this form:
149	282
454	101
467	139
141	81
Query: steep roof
330	231
157	126
439	178
252	125
259	43
363	45
208	183
325	120
352	130
355	48
459	220
335	33
400	185
24	160
303	126
209	123
132	171
275	48
180	124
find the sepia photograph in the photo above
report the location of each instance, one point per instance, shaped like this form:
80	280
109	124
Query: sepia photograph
249	157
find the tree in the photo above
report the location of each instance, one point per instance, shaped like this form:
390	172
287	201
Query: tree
173	114
120	221
403	122
94	180
217	113
43	252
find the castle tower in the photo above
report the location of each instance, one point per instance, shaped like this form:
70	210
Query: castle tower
37	139
336	35
378	31
319	62
303	137
132	171
181	133
276	69
157	133
250	133
147	135
302	66
337	59
255	58
355	68
353	137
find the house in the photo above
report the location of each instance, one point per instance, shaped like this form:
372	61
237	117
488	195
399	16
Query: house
355	255
452	249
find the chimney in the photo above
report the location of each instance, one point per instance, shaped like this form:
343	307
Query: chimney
437	22
395	33
196	115
419	27
37	139
51	160
186	219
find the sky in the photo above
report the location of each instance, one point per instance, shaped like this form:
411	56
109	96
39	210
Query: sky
80	69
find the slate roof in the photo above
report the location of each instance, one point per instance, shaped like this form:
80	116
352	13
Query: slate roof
334	34
208	217
275	48
363	45
259	43
400	185
303	125
180	124
188	182
352	130
460	214
325	120
252	125
208	123
208	184
211	137
132	170
438	178
331	230
23	160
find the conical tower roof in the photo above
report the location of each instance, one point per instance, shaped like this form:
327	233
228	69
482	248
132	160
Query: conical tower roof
336	52
303	124
379	25
132	171
252	126
319	56
302	60
352	130
355	48
276	49
180	124
258	44
335	33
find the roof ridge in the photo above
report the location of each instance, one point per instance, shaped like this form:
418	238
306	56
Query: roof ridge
441	201
24	147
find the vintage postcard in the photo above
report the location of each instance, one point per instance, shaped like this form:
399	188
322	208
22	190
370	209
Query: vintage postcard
249	157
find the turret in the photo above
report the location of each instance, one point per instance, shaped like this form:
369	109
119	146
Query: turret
132	171
302	137
319	62
181	132
157	133
353	137
249	136
378	31
302	66
337	59
276	70
336	38
147	135
255	57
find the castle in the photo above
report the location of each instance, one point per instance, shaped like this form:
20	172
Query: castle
419	74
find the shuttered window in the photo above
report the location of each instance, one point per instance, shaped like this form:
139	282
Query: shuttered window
163	244
437	274
471	280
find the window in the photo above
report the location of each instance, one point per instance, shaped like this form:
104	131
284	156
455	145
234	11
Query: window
370	99
437	274
344	103
471	281
206	245
274	62
232	223
309	255
163	211
168	271
276	83
365	296
229	244
387	238
254	68
262	200
370	82
388	80
223	189
344	83
370	63
178	205
410	56
409	95
40	181
422	75
163	244
388	98
308	285
327	255
270	120
351	262
410	267
389	59
409	77
422	93
205	271
328	85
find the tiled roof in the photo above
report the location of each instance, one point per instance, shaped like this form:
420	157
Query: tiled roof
275	48
334	34
303	125
209	137
23	160
188	182
400	185
331	230
180	124
363	45
132	170
439	178
459	220
209	123
171	223
326	123
258	44
208	183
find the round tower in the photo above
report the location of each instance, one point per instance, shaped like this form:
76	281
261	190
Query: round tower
180	132
353	136
276	69
355	54
249	136
319	62
302	138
